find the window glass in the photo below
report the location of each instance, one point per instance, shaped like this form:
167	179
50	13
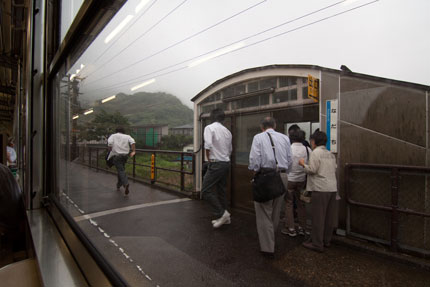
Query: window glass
287	81
69	9
268	83
147	72
252	87
285	96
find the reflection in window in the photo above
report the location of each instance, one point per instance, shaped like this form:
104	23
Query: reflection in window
285	96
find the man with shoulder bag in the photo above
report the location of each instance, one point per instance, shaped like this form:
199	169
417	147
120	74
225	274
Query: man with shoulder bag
270	159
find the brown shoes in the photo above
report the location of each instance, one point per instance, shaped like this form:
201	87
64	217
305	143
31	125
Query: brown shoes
310	246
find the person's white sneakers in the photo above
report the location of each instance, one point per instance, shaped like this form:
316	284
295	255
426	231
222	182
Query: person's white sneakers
227	222
222	220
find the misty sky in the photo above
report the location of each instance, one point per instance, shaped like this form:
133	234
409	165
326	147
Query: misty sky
388	38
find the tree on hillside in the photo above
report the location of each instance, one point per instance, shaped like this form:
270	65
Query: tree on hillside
103	125
175	142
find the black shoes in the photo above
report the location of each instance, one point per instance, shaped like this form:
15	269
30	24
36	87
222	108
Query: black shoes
126	189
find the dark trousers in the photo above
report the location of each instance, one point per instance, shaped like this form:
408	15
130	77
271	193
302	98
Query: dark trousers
323	217
216	176
119	162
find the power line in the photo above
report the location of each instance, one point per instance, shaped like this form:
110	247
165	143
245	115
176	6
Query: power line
128	28
230	44
138	38
186	39
241	40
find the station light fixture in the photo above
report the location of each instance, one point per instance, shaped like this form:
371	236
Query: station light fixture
108	99
75	117
140	6
217	54
89	112
143	85
118	28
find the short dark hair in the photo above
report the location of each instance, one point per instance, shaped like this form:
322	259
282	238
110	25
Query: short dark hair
293	128
295	136
120	130
302	135
320	138
217	115
268	122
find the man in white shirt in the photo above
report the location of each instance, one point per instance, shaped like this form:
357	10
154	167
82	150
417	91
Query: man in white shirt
119	146
262	156
10	153
217	149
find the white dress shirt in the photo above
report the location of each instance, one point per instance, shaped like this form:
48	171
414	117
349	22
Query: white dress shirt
12	153
218	141
120	143
297	173
261	154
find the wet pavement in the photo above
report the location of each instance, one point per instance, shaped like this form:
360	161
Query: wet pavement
156	238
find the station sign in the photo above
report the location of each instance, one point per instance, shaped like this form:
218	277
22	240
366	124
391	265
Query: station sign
331	128
313	88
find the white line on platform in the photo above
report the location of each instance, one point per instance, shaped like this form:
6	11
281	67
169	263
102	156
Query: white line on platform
127	208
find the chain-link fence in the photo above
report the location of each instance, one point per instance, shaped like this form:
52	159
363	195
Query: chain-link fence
389	204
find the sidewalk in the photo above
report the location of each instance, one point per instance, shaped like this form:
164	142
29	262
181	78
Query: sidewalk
174	244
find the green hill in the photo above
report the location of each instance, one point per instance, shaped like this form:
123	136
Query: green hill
150	108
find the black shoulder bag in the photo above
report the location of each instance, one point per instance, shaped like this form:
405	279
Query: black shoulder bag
267	183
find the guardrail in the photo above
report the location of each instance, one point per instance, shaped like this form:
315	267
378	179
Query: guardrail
399	195
171	168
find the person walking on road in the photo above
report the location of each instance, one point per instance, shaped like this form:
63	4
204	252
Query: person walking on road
262	156
218	148
321	181
119	147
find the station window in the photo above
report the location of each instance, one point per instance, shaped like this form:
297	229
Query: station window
249	102
268	83
239	90
252	87
228	92
287	81
305	93
285	96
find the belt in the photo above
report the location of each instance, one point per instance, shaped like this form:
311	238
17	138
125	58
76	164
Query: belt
283	171
215	160
267	169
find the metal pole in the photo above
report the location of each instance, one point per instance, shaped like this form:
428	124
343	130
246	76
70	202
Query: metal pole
97	159
182	172
394	206
134	168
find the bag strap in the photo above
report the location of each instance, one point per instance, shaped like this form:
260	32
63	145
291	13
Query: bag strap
307	154
273	147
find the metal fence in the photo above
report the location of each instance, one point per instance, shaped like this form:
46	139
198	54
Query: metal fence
172	169
389	204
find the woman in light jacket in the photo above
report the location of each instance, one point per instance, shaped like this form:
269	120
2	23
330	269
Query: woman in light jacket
321	181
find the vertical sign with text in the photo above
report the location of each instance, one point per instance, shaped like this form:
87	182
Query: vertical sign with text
331	128
313	88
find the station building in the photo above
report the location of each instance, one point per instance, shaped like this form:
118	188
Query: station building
368	120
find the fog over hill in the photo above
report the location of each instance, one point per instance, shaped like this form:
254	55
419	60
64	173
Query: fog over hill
150	108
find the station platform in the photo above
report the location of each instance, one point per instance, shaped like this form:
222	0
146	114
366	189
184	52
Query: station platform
157	238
